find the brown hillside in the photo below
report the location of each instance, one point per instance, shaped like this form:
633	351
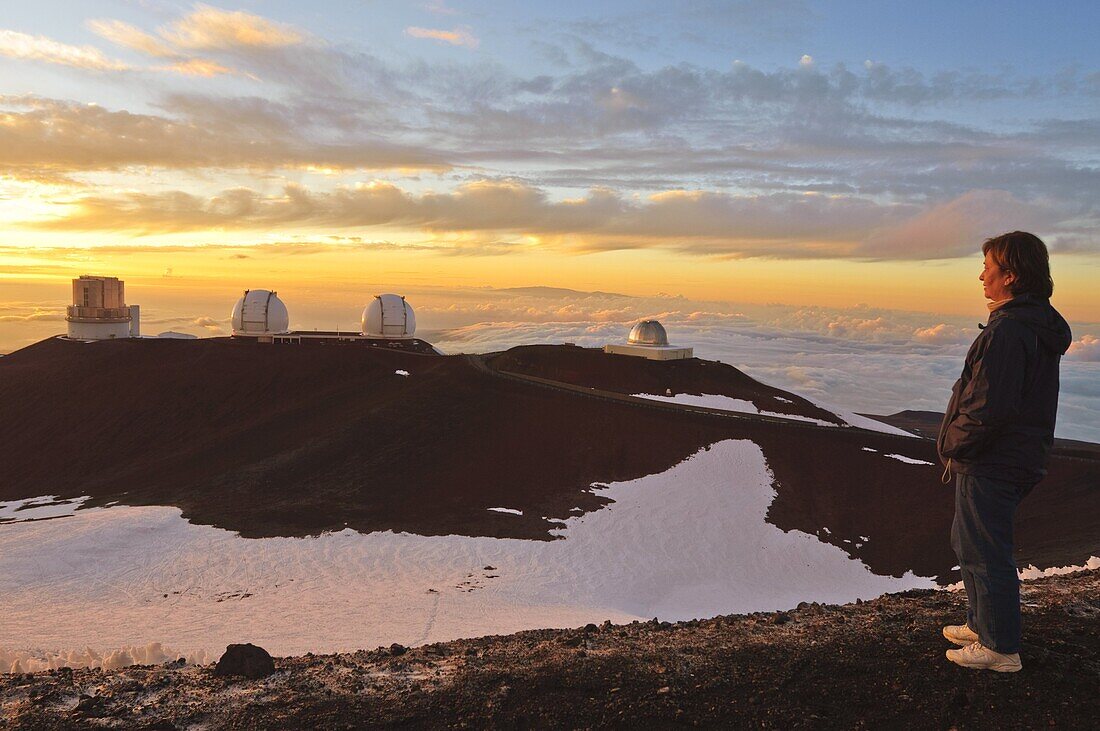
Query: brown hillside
292	440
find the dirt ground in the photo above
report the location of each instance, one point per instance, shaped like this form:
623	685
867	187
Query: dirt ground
876	664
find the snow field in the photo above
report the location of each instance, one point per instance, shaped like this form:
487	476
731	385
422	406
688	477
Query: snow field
689	542
40	508
728	403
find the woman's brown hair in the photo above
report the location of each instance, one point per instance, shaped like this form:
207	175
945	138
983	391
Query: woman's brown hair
1025	255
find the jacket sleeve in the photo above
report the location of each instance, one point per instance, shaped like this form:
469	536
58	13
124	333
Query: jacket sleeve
991	399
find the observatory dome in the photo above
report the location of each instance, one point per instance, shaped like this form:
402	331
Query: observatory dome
648	332
389	316
260	312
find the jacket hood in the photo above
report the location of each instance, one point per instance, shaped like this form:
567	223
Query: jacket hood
1045	321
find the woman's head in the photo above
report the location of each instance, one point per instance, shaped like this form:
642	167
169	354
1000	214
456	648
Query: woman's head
1016	263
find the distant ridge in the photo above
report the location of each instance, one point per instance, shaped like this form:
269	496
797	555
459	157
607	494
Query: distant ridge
927	425
542	291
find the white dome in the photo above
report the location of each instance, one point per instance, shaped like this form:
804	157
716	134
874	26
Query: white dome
648	332
389	316
260	312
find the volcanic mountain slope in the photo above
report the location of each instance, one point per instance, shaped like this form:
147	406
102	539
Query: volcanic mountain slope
630	375
295	440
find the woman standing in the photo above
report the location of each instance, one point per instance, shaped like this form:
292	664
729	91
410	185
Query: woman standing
996	435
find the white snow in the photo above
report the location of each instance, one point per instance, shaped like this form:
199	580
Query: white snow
40	508
908	460
1034	572
400	372
513	511
728	403
689	542
784	400
862	422
869	449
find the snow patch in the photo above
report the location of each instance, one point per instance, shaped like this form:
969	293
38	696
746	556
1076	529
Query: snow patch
689	542
400	372
513	511
908	460
869	449
40	508
1034	572
861	422
728	403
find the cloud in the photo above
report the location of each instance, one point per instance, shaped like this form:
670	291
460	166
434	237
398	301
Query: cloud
40	48
1086	348
36	316
128	36
212	326
198	67
44	136
707	223
209	28
460	36
941	333
954	228
701	222
439	7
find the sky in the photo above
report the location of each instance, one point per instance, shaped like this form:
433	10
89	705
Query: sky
730	157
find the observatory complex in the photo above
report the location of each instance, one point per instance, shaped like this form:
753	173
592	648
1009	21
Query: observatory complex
99	310
648	339
388	321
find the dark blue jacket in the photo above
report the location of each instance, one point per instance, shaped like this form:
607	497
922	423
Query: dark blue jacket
1000	420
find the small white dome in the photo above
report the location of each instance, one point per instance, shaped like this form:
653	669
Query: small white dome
260	312
389	316
648	332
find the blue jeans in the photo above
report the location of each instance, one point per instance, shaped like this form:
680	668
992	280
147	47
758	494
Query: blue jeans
982	538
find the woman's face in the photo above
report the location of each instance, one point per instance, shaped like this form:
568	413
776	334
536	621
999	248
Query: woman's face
996	281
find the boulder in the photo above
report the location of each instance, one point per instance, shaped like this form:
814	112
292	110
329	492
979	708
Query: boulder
248	660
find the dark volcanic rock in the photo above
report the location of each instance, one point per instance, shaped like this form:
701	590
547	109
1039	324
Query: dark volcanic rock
739	671
248	660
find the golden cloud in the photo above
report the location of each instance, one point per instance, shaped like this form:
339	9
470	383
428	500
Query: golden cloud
128	36
40	48
210	28
698	222
44	139
199	67
461	36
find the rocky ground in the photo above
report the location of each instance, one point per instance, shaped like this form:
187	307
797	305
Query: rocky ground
876	664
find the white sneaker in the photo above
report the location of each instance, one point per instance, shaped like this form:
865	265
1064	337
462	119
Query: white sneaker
960	634
980	657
